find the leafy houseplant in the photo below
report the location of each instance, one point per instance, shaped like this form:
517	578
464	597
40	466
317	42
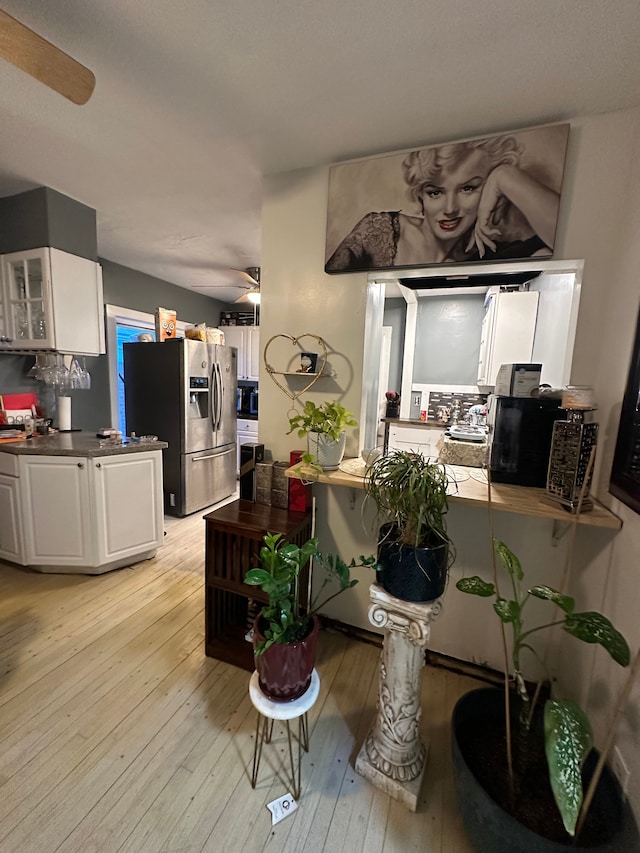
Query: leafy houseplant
281	630
324	427
566	730
415	552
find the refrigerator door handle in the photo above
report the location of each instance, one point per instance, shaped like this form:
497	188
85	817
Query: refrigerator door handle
212	455
214	397
221	396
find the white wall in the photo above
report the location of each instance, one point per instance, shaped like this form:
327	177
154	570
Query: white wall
599	221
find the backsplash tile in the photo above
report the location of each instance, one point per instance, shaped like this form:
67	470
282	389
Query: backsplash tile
448	398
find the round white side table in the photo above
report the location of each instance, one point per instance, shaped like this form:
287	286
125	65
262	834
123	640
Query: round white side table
268	711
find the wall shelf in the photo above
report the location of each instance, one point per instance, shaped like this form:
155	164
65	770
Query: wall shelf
327	374
310	379
521	500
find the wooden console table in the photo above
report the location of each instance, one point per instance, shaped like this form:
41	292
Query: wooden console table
234	535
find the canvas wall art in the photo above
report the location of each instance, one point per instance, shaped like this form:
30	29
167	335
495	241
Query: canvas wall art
487	199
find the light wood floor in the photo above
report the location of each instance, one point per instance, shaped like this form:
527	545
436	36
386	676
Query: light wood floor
118	734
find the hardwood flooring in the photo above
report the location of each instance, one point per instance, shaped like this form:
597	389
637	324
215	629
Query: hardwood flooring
118	735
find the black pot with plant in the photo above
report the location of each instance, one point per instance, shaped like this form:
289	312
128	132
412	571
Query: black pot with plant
414	551
521	764
284	637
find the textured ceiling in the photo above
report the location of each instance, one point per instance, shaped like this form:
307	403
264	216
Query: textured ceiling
196	101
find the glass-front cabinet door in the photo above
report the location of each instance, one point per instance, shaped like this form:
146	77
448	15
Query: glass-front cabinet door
26	314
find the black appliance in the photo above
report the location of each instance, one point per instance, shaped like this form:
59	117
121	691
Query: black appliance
247	401
522	428
250	455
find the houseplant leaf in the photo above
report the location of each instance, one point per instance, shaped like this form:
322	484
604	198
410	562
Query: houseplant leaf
592	627
508	559
476	586
568	741
507	610
565	602
257	577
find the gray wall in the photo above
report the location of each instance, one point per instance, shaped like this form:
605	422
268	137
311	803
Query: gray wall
129	289
395	314
448	339
44	217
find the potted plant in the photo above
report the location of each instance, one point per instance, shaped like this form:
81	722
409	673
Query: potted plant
284	637
414	552
514	758
324	426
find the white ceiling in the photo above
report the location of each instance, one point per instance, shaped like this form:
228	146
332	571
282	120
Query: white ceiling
196	100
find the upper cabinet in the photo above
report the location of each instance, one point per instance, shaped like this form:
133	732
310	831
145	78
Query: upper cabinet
246	339
508	330
51	300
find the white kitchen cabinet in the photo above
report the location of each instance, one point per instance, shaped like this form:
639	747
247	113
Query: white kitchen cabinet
91	514
55	510
416	439
127	493
246	339
247	434
51	300
11	539
508	330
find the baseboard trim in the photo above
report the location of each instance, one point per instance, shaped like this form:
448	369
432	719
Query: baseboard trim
434	659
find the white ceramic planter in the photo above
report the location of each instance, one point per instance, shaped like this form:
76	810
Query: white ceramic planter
325	451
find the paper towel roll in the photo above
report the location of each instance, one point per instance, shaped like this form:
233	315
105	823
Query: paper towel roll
64	413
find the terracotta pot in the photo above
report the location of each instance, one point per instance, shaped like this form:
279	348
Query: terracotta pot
491	828
412	574
284	669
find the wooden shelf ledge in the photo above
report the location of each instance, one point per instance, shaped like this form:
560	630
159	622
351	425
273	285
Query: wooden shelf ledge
521	500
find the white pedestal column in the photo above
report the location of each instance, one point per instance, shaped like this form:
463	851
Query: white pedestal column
392	756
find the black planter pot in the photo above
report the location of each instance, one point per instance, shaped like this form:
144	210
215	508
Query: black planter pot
413	574
491	828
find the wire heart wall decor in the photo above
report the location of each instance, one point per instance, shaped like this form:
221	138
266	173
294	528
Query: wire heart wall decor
295	342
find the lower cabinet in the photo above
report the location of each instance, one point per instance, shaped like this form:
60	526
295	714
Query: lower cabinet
90	514
422	440
11	547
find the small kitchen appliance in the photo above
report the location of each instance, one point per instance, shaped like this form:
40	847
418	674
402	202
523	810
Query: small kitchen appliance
521	430
517	380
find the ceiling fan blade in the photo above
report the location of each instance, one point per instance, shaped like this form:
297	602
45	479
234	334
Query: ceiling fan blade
251	275
44	61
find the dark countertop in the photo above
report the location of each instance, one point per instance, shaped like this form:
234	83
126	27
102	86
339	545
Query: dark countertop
75	444
431	422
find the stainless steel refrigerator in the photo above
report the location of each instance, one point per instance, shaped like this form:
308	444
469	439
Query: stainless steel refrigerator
184	392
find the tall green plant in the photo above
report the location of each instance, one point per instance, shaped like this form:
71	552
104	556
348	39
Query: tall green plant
410	492
278	576
568	735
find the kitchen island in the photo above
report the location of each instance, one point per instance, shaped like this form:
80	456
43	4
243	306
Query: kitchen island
73	503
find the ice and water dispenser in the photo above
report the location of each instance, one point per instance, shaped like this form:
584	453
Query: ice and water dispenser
198	397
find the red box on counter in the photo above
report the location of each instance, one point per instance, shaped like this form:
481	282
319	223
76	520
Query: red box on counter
299	493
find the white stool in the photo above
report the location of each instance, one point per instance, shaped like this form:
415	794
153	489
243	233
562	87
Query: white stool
268	711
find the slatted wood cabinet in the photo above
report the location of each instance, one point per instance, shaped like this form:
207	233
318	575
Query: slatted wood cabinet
234	536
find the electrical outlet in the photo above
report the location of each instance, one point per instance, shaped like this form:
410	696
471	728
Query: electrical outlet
417	399
620	769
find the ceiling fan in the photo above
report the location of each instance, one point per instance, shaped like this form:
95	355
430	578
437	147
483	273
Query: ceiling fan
250	284
47	63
